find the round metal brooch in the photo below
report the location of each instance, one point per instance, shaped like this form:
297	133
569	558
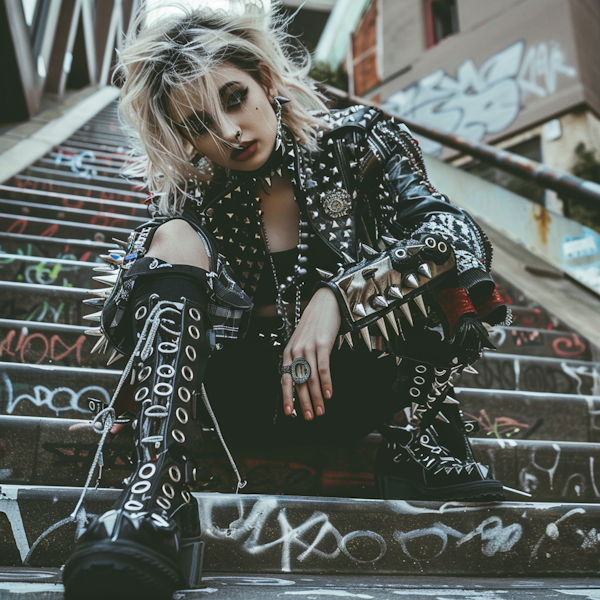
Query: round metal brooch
337	203
299	370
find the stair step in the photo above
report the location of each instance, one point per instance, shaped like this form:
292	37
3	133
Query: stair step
91	189
268	534
45	247
44	451
71	215
132	208
535	317
85	170
63	229
534	374
506	414
27	342
43	303
59	179
48	271
50	391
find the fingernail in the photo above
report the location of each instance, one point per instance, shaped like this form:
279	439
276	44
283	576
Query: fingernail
327	394
288	410
307	415
319	411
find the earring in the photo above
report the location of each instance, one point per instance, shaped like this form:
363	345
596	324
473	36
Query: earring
282	100
277	102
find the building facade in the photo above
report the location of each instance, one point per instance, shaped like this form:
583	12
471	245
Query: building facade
520	74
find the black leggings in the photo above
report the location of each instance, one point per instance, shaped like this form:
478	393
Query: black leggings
243	384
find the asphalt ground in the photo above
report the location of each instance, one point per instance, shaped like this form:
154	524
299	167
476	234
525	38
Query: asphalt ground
44	584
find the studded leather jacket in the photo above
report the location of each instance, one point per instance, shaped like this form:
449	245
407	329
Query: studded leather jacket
367	181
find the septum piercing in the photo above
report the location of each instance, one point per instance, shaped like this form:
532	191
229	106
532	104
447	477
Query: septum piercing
238	135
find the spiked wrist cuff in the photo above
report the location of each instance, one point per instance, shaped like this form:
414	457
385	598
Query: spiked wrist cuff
370	291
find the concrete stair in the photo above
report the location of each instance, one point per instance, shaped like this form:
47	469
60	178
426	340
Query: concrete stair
305	510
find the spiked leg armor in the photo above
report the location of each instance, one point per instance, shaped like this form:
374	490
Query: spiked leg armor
430	457
149	542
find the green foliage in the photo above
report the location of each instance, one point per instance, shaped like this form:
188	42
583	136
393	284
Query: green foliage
587	166
323	73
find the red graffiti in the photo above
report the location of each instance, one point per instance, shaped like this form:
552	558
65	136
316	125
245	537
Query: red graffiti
34	348
568	347
500	427
20	223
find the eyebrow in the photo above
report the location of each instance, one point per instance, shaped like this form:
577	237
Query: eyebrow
222	94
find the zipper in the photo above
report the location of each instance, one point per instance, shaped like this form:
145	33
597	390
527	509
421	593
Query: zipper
341	163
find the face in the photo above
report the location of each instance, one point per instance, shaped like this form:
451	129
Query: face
246	108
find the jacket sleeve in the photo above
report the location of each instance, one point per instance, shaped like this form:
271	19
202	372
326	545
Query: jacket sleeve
406	205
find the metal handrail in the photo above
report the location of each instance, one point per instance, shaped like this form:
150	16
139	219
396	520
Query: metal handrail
562	183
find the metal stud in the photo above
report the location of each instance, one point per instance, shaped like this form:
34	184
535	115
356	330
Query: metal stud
348	338
381	325
369	251
419	302
406	311
449	400
364	332
395	292
107	279
324	274
392	321
359	310
380	301
94	317
424	270
470	369
411	281
390	241
114	357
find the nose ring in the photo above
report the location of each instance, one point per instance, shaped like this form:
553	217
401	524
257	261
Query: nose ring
238	135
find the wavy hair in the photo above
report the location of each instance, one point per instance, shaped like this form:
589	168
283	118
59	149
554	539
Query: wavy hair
163	56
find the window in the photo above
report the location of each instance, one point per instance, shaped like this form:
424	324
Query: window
441	20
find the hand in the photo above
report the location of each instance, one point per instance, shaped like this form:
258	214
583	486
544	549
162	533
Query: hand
470	338
313	339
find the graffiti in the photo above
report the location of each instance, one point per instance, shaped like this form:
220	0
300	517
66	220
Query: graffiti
482	101
500	427
76	164
37	347
59	399
553	532
526	338
43	312
568	347
80	456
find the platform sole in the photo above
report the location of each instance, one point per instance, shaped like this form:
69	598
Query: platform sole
392	488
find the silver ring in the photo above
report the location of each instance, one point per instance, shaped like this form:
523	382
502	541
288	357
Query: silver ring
168	347
147	471
163	503
178	436
299	370
430	242
184	394
140	313
141	394
166	371
140	487
195	314
187	373
133	505
190	352
442	247
187	498
194	332
163	388
144	373
175	474
168	490
181	415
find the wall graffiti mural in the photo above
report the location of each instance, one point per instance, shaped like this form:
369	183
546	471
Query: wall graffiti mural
485	100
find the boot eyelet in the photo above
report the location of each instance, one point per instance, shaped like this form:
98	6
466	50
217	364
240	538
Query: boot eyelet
163	389
141	487
141	312
186	496
178	436
442	247
187	373
420	369
184	394
181	415
141	394
147	470
133	505
168	490
167	347
194	332
163	503
430	242
190	352
144	373
414	392
419	380
166	371
175	474
195	314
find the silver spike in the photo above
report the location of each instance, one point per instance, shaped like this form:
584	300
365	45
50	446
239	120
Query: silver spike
369	251
348	337
470	369
348	258
324	274
96	331
279	172
366	338
380	301
107	279
392	321
121	243
94	302
398	360
406	310
442	417
411	281
359	310
449	400
382	327
102	293
390	241
114	357
101	345
268	181
395	292
340	341
419	302
107	258
368	272
106	269
94	317
424	270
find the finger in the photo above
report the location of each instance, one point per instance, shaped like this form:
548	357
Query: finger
314	385
305	403
81	426
287	385
323	361
118	427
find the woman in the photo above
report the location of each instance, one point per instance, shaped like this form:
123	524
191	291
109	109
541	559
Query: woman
279	227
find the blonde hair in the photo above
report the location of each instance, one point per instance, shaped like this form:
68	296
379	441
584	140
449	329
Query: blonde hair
161	57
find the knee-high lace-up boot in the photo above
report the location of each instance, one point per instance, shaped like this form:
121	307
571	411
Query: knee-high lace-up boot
429	457
148	544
